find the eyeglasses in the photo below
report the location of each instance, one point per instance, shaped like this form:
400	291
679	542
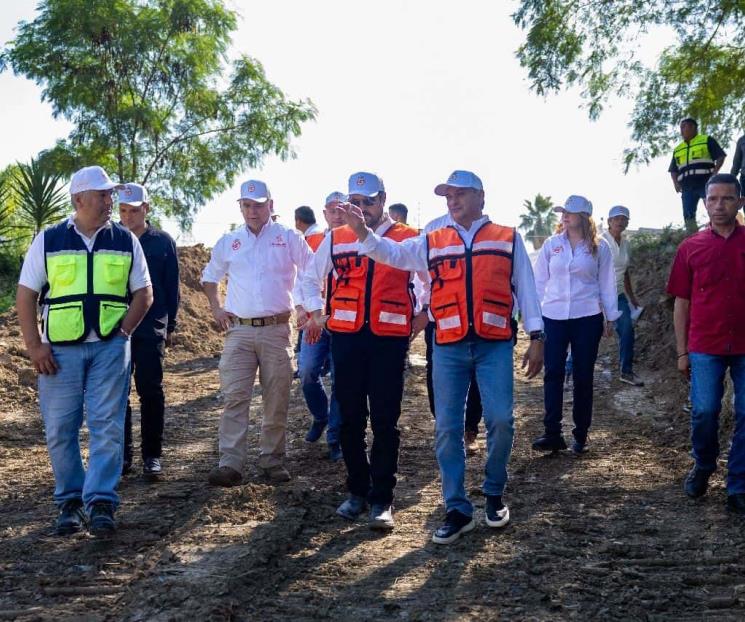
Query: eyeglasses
367	202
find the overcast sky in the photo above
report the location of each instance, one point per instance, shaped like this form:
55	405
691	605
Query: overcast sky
410	90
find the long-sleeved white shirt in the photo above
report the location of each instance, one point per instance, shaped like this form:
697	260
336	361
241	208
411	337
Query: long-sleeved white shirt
261	269
572	283
314	277
621	259
411	254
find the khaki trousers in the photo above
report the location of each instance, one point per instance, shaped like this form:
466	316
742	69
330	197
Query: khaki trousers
248	348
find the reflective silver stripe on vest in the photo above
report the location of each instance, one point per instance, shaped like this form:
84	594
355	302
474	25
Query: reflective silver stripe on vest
351	247
460	249
493	245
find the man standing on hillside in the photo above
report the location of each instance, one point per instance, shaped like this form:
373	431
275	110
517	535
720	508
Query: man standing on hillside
706	280
154	333
694	161
261	261
91	277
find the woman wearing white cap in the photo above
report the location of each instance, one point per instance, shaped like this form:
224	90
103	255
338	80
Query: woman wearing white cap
576	285
618	220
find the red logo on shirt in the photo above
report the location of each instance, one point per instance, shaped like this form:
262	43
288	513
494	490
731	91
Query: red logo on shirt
558	249
236	245
279	241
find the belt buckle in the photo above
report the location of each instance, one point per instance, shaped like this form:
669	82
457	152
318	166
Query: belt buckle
257	321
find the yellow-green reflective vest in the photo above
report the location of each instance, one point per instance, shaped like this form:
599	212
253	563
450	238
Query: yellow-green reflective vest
86	290
693	158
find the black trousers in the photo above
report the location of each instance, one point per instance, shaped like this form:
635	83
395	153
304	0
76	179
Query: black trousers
147	367
473	402
369	382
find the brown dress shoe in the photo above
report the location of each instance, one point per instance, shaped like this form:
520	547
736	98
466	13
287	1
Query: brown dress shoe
472	446
224	476
276	474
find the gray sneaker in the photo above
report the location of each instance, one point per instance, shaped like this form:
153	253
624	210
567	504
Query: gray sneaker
352	507
632	379
381	517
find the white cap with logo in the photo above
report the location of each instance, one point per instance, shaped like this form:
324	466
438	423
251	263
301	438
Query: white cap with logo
133	194
619	210
459	179
255	190
366	184
91	178
576	204
336	197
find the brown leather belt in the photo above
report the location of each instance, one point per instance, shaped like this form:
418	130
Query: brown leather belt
270	320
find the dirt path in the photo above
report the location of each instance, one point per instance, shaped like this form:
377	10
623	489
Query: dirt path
605	536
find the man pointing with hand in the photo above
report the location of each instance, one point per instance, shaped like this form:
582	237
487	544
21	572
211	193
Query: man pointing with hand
474	265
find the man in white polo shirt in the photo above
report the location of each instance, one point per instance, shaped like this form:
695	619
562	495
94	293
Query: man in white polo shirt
91	277
261	261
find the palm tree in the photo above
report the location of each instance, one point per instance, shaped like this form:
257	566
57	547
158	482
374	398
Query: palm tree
540	220
41	200
6	211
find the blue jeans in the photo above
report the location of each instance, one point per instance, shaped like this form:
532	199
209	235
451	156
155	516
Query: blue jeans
453	366
583	334
323	408
690	197
707	390
94	376
625	331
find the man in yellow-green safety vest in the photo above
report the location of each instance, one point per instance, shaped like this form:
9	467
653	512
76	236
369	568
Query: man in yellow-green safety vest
694	160
91	278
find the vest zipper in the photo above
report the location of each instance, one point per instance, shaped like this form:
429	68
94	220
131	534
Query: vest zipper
469	274
368	288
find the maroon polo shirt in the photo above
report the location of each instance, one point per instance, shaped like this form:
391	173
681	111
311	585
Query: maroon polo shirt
709	270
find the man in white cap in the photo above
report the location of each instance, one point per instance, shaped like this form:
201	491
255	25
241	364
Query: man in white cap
261	261
154	333
370	314
314	355
92	280
618	221
474	266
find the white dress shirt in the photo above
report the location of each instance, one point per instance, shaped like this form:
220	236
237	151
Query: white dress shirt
411	254
34	270
261	269
572	283
314	277
621	259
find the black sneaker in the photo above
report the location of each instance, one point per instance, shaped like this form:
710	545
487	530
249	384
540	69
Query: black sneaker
151	468
549	442
352	507
579	448
696	483
497	514
71	518
736	503
455	525
101	519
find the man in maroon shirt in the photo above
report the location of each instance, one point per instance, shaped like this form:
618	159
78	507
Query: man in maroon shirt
708	282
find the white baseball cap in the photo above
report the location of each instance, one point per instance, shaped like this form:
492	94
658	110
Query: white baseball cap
619	210
91	178
336	196
459	179
133	194
255	190
366	184
576	204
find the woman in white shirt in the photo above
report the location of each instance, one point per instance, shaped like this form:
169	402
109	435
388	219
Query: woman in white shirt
618	220
576	285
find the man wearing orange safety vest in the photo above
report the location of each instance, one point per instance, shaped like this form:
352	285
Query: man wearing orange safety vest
369	317
474	267
314	356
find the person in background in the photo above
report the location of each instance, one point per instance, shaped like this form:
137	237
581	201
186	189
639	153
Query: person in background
399	213
738	162
618	221
577	286
154	333
706	280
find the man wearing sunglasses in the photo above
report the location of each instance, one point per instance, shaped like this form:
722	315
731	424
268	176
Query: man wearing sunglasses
474	267
370	315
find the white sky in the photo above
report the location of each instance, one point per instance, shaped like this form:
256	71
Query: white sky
410	90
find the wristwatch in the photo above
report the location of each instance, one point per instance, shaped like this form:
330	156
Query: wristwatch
537	335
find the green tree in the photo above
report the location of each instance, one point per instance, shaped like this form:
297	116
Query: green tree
595	45
6	214
40	197
539	220
146	85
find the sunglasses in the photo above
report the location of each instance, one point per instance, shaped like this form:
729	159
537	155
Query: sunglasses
367	202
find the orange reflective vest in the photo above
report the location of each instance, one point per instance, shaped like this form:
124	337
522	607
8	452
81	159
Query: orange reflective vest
314	240
367	292
471	287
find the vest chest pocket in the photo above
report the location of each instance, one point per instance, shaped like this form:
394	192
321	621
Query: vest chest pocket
115	269
110	274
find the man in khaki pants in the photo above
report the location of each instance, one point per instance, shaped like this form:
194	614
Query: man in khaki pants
261	261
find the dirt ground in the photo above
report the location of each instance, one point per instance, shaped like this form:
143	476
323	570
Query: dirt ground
608	536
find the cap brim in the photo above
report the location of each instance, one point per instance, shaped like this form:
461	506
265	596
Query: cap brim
257	199
369	195
442	189
132	203
558	208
